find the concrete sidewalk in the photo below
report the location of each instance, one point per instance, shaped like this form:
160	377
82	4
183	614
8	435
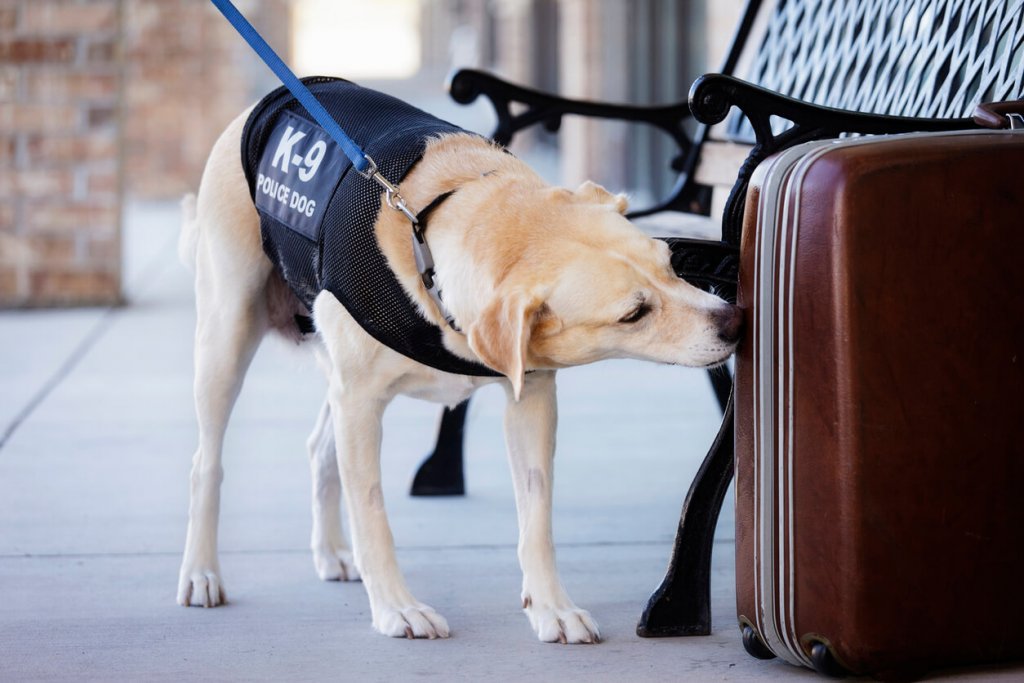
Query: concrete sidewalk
93	506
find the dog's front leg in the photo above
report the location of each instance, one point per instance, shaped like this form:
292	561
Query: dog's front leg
530	435
357	427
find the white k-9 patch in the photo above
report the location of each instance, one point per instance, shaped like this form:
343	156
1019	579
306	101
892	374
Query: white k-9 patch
300	168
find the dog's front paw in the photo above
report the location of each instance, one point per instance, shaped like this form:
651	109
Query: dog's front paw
415	621
562	625
335	565
198	587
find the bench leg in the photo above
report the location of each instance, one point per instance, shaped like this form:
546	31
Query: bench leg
681	606
441	473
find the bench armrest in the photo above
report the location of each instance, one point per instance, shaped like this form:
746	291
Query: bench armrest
713	95
538	107
466	85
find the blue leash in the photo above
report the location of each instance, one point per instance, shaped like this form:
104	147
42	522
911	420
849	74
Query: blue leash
360	161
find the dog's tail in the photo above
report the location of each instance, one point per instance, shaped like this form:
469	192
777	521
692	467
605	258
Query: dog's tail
188	240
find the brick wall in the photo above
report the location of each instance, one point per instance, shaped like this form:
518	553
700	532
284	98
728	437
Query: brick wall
102	100
187	75
60	173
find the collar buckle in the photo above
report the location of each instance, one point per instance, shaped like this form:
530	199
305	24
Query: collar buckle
425	266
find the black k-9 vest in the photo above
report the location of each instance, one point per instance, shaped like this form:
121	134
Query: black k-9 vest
317	213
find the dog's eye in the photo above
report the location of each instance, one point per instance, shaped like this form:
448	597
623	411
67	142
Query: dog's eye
636	314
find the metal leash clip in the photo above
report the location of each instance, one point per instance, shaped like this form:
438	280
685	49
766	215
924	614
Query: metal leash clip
392	196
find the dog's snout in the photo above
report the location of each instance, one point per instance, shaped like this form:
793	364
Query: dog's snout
729	321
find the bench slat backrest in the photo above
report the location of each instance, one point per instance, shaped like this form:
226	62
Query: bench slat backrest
922	58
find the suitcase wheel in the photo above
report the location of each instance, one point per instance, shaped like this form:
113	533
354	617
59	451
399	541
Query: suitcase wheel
825	662
753	644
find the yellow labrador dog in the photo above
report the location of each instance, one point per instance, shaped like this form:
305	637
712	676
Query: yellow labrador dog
537	277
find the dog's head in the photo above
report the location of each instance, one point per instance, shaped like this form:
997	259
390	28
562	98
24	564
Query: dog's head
583	284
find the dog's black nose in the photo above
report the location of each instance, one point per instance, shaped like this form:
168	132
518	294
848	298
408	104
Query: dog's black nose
729	320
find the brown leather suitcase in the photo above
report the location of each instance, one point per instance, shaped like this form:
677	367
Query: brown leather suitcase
880	404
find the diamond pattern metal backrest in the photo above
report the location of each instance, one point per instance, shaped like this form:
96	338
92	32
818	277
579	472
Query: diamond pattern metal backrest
927	58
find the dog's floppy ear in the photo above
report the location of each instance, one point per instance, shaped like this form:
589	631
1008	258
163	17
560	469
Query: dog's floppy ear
592	192
501	335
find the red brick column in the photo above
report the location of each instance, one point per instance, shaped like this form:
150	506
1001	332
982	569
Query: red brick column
60	171
185	80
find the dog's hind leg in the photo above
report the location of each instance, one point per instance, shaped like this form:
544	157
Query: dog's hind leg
530	426
331	555
226	340
231	318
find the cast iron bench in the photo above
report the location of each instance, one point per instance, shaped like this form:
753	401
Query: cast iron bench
908	65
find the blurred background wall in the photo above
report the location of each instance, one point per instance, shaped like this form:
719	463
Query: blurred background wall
108	101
